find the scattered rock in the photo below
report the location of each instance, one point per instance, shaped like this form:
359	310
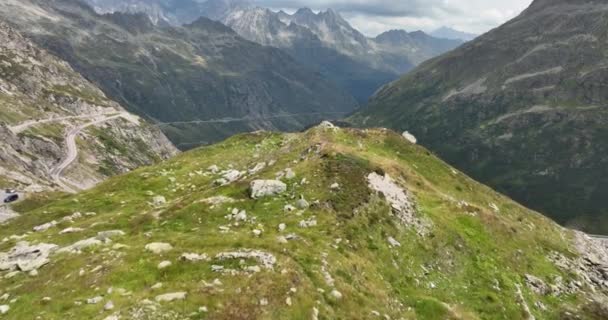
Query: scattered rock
336	294
169	297
393	243
257	232
213	169
81	245
158	201
194	257
399	200
282	227
264	188
110	234
94	300
109	306
289	174
71	230
26	257
258	167
312	222
46	226
302	204
410	137
158	247
157	286
266	259
164	265
4	309
289	208
335	186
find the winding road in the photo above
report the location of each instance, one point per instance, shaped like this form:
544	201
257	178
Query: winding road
70	139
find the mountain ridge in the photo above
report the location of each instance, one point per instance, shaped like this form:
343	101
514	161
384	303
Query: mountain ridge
530	88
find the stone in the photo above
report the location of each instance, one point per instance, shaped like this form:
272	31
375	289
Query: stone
410	137
81	245
335	186
257	232
194	257
164	265
158	201
94	300
265	188
312	222
169	297
336	294
46	226
282	227
26	257
157	286
258	167
302	204
158	247
266	259
289	208
393	243
203	309
71	230
110	234
109	306
213	169
4	309
289	174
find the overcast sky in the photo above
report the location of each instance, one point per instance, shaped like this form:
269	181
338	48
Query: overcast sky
375	16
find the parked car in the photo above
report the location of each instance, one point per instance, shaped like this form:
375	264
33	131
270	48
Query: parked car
11	198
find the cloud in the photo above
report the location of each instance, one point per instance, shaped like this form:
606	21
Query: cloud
375	16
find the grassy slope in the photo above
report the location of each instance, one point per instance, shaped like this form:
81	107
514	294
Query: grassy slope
470	250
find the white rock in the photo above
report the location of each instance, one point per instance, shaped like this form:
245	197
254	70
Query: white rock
257	232
159	201
157	286
94	300
213	169
110	234
288	301
81	245
264	188
112	317
46	226
393	242
168	297
194	257
71	230
164	265
109	306
26	257
158	247
4	309
410	137
335	186
336	294
289	174
203	309
282	227
302	204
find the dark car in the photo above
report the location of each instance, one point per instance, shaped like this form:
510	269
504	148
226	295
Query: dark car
11	198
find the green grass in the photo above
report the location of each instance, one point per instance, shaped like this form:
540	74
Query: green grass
449	274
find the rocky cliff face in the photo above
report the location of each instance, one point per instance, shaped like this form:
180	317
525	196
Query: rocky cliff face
521	108
326	224
201	82
42	102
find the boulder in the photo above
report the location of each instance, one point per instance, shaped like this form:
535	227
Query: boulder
26	257
265	188
158	247
410	137
168	297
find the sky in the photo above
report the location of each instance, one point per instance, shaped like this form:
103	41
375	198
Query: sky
376	16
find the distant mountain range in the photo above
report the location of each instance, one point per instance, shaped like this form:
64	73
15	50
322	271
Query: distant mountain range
522	108
324	41
449	33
